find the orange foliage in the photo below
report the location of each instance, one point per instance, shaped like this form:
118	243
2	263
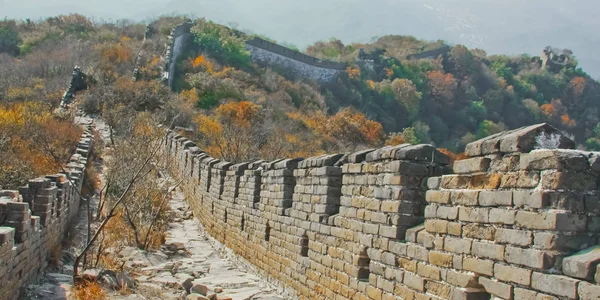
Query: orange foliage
346	126
202	62
394	140
353	73
567	120
89	291
577	84
548	109
389	72
116	53
453	156
442	85
371	84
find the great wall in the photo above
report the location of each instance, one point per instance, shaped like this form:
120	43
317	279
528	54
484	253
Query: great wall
35	219
508	222
400	222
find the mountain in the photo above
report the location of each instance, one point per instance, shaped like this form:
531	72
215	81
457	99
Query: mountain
508	27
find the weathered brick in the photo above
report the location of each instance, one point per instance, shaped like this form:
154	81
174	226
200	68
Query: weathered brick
440	259
488	250
512	274
471	165
457	245
468	198
582	264
529	257
477	231
413	281
588	291
503	216
480	266
514	237
496	288
442	197
474	214
428	271
551	220
436	226
555	284
495	198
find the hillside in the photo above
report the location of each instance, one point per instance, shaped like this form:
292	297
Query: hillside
499	27
238	110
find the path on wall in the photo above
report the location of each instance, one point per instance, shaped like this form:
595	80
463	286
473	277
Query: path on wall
189	253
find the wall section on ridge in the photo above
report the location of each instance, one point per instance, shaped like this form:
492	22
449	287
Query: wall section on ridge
34	220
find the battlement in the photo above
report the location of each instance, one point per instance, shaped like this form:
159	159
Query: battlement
509	222
34	219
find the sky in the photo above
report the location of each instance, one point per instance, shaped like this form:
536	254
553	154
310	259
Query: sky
499	27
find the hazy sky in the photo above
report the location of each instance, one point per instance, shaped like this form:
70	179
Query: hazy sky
507	26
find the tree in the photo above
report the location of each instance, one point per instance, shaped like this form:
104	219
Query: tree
442	88
406	94
9	37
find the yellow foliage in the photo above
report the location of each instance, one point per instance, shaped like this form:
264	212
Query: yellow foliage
371	84
239	113
353	73
125	39
394	140
89	291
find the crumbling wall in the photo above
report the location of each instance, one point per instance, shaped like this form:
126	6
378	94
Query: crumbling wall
293	62
508	222
34	220
178	39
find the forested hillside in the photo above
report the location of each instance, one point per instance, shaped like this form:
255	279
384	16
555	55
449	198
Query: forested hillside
238	111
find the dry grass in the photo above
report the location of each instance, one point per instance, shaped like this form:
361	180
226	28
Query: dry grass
89	291
55	254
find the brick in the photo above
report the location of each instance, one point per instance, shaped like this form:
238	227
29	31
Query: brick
495	198
457	245
466	280
502	216
436	226
480	266
512	274
563	242
447	212
551	220
428	271
582	264
588	291
555	284
514	237
471	165
488	250
442	197
454	228
414	282
440	289
520	179
474	214
496	288
455	181
568	180
477	231
440	259
469	198
529	257
523	198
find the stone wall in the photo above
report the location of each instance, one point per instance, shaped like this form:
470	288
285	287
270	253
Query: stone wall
178	39
430	53
77	83
295	63
508	222
34	220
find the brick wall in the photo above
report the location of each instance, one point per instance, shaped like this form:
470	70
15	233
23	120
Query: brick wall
34	220
508	222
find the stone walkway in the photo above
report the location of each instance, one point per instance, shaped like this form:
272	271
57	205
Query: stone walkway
189	254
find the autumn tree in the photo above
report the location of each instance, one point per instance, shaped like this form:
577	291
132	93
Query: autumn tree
406	94
442	88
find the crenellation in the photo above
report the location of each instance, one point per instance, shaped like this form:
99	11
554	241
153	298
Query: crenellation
512	222
34	219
